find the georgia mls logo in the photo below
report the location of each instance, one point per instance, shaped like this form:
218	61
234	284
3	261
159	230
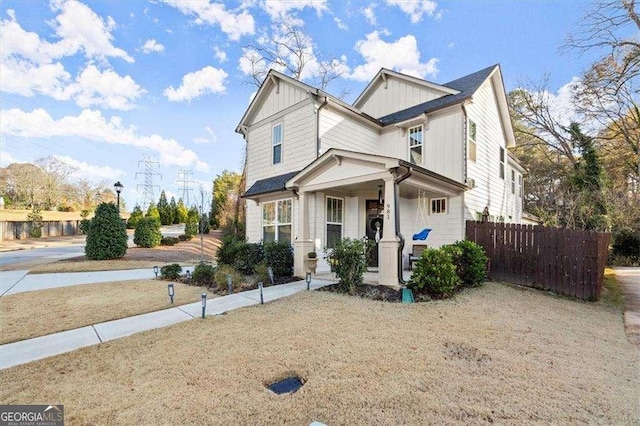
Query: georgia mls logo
31	415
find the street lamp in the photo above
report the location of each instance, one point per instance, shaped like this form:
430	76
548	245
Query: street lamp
204	302
118	187
171	292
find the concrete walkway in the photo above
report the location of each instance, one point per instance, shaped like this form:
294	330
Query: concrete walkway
66	341
629	279
12	282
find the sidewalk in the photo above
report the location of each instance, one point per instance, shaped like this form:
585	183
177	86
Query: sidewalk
629	279
26	351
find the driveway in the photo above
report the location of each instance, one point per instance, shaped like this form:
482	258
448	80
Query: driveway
629	279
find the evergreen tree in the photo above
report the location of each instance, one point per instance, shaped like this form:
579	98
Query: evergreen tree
107	235
174	211
181	216
152	212
191	224
135	217
164	210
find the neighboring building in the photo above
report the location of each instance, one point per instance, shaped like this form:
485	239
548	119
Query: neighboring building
408	154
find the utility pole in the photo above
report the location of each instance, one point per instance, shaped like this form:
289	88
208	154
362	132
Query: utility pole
185	180
148	172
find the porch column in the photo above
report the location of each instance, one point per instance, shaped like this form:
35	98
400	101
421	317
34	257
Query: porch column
389	243
302	244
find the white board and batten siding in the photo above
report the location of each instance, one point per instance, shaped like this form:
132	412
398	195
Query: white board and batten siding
278	99
342	132
490	189
395	95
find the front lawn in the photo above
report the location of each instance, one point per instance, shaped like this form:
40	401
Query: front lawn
492	354
37	313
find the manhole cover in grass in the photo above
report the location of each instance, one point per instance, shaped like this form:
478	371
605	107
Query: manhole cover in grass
288	385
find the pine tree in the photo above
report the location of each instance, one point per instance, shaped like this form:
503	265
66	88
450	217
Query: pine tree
181	216
174	211
135	217
152	212
164	210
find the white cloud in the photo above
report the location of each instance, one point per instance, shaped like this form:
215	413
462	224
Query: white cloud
340	24
80	28
151	46
235	25
6	159
401	55
90	171
106	89
415	8
198	83
220	54
211	138
26	78
281	8
92	125
370	14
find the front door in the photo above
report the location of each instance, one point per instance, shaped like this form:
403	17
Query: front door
375	213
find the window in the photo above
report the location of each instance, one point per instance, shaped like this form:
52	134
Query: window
438	205
415	144
520	186
501	163
276	138
513	182
334	221
471	153
276	221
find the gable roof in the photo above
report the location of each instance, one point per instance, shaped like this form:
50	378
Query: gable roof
466	86
268	185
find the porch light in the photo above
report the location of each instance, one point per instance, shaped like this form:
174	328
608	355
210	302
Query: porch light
261	296
380	199
155	270
204	302
171	291
307	278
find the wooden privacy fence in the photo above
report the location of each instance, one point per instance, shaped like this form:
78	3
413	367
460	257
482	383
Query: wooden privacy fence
566	261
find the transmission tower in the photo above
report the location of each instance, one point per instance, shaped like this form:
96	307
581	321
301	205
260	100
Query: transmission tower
148	193
185	181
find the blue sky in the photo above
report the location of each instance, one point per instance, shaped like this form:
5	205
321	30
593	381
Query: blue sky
102	84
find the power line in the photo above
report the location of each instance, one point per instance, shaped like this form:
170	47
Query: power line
148	194
186	181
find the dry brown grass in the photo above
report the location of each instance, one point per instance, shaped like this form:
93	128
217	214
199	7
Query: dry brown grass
494	354
21	215
36	313
185	252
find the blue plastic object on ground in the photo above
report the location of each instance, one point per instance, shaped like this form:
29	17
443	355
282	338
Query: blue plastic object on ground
288	385
407	296
422	235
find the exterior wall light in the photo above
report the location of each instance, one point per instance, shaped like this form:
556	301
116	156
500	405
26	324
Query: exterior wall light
204	303
171	292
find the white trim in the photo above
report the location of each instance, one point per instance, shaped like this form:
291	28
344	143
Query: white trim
273	144
326	219
421	144
276	222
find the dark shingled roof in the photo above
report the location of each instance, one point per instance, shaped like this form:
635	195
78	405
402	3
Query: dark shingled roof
467	85
272	184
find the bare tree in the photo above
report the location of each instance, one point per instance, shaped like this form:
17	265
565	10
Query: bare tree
55	175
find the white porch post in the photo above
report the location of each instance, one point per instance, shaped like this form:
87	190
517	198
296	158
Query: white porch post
389	244
302	244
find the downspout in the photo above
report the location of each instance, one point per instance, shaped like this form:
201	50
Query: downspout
465	129
322	105
396	196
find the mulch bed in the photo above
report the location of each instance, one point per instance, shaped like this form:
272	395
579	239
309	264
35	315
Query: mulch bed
368	291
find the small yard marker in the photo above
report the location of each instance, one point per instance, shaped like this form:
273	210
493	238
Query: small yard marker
307	278
171	292
229	284
270	272
261	297
204	302
155	270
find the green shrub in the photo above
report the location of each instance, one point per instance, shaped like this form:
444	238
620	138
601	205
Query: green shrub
169	241
191	225
147	233
279	255
171	271
204	274
35	231
185	237
107	236
348	259
626	243
228	250
434	274
470	262
135	217
35	217
261	274
83	227
221	277
153	213
247	257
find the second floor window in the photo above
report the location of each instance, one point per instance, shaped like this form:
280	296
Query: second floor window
277	143
416	139
513	182
501	163
519	185
472	141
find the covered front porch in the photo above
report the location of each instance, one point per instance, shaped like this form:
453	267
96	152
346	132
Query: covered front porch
346	194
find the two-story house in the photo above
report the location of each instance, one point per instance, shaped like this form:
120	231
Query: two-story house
406	156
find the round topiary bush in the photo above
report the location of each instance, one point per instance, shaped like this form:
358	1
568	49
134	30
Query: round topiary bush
434	274
107	234
170	271
147	233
